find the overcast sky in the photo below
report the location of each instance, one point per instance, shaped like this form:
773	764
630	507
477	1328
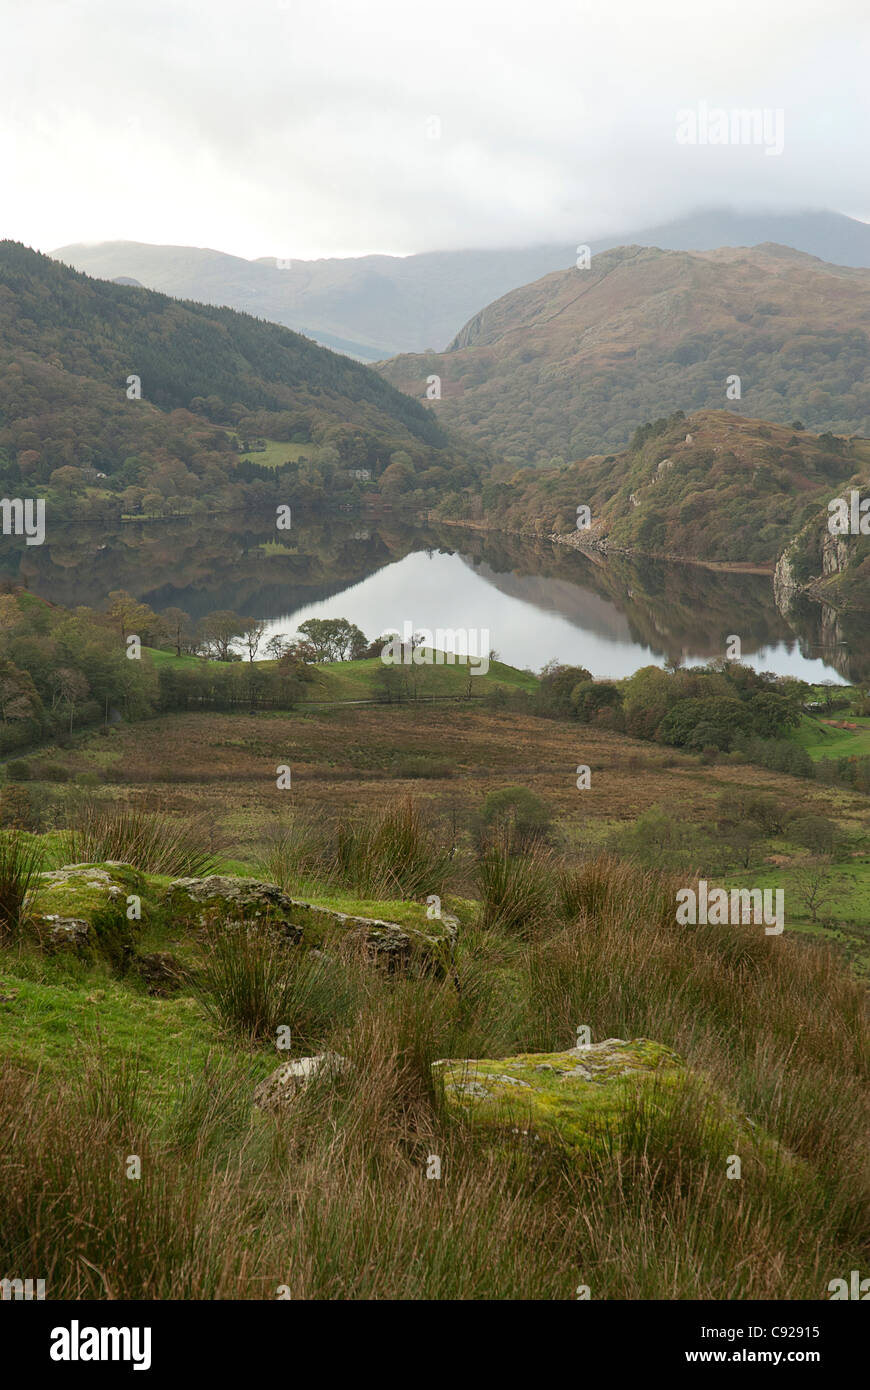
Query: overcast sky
306	128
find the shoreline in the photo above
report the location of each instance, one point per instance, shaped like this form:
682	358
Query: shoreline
567	540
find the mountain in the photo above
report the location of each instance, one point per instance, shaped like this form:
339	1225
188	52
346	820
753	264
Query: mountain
106	387
714	487
576	361
830	236
369	307
373	307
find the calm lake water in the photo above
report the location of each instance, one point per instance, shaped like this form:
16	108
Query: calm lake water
526	619
536	600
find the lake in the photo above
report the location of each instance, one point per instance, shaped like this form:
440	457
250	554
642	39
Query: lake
536	600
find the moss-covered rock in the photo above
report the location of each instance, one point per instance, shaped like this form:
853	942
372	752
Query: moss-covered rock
79	890
63	933
221	898
588	1099
95	898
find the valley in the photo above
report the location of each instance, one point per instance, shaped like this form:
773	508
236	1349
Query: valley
435	737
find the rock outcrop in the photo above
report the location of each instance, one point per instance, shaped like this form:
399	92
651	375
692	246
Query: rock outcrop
565	1096
279	1090
219	897
65	903
587	1100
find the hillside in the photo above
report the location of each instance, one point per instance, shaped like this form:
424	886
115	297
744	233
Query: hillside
576	361
374	306
207	376
713	487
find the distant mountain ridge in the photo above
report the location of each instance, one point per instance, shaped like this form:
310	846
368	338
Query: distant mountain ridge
374	307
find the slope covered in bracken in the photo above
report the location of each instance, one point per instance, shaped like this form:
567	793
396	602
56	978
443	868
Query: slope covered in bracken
576	361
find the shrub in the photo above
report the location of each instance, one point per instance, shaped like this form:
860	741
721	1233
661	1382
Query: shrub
18	771
156	843
53	772
296	854
21	860
21	808
514	889
517	813
389	855
253	983
816	833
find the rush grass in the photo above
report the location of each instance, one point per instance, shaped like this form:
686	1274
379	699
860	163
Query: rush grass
331	1200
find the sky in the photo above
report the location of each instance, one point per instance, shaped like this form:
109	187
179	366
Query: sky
306	128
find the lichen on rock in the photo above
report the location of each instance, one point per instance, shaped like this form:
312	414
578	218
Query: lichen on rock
280	1088
571	1097
80	890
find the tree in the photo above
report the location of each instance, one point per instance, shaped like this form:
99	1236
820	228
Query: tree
278	646
219	631
815	833
773	714
18	695
816	886
70	689
398	476
557	683
175	623
252	635
130	616
67	479
10	613
334	639
516	815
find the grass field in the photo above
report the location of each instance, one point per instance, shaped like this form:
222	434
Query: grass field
222	767
823	739
330	1199
357	680
163	658
849	904
277	452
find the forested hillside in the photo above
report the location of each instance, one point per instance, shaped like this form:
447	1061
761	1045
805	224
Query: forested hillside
205	381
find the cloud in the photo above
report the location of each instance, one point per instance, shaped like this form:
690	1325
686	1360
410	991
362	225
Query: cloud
309	127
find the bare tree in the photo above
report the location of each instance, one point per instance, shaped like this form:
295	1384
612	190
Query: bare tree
816	885
252	635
